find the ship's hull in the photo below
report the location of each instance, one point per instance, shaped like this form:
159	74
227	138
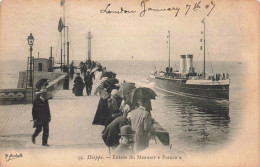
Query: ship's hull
196	88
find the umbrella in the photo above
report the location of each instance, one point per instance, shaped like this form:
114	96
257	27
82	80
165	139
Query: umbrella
95	69
125	89
141	93
107	74
40	83
111	81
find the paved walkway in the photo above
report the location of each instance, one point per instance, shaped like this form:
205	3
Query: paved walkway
71	124
70	127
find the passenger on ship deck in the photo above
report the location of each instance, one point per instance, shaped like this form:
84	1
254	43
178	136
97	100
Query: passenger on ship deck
167	71
78	86
141	122
171	70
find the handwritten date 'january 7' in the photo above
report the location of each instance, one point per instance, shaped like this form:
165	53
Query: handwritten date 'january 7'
144	9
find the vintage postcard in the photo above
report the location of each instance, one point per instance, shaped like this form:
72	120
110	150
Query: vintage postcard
129	83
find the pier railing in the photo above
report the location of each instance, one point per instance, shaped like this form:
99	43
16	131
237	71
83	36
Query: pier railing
21	96
53	87
12	96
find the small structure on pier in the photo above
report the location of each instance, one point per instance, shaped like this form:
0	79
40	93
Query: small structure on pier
42	64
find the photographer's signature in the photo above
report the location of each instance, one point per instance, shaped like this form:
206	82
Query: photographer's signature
9	157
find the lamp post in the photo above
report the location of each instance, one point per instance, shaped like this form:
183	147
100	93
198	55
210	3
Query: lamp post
30	40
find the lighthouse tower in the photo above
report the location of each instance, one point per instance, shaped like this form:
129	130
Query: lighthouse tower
89	37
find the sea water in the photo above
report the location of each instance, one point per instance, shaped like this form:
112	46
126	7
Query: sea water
194	124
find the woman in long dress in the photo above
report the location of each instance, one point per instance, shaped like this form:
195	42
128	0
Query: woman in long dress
78	86
102	112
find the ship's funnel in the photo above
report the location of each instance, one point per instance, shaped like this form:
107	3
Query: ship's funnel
183	64
189	63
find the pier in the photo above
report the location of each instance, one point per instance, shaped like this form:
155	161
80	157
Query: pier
70	126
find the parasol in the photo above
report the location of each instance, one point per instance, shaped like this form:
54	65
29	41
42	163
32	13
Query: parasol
141	93
125	89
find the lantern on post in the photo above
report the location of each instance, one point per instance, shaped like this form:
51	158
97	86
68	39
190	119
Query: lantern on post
30	40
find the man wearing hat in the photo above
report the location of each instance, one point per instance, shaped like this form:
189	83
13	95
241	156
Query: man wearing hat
88	78
126	141
41	117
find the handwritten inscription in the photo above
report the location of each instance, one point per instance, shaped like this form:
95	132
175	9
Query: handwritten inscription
122	10
142	13
197	6
9	157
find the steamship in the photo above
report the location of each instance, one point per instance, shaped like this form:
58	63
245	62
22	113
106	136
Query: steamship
187	82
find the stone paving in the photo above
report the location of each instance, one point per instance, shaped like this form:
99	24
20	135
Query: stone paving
70	127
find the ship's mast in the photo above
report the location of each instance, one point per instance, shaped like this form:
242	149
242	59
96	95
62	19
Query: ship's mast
61	51
204	32
169	36
64	30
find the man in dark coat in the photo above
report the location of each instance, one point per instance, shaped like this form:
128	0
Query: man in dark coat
41	117
88	82
110	134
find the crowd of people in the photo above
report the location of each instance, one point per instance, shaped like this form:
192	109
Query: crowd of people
88	76
79	84
126	117
127	125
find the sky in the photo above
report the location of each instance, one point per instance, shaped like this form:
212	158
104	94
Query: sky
121	36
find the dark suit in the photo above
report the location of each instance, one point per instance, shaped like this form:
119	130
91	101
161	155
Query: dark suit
41	115
88	82
110	134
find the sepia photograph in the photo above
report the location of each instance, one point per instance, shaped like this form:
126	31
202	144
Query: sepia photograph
129	83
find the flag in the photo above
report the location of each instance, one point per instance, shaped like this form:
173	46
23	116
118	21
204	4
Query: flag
202	21
62	2
60	26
